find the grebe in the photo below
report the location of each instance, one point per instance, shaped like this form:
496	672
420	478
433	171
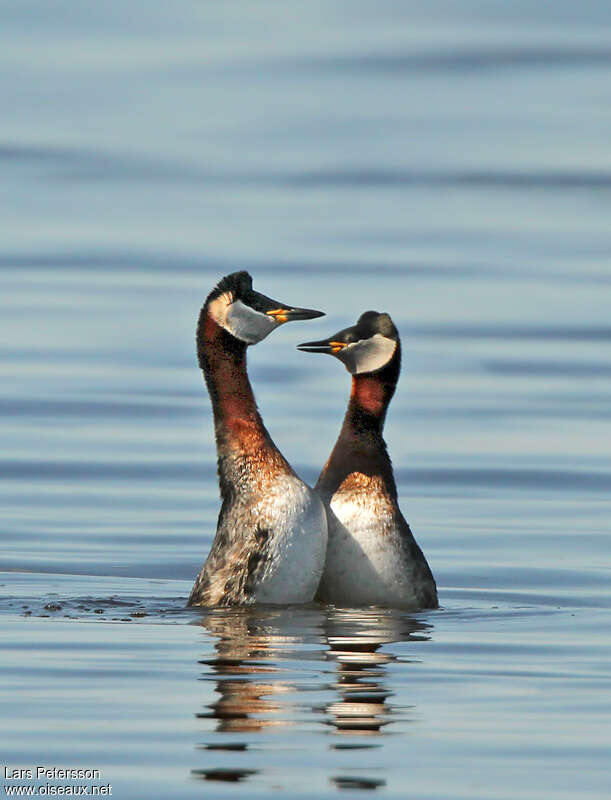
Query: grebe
372	556
271	535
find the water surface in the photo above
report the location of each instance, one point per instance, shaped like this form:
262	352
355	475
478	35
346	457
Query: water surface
449	164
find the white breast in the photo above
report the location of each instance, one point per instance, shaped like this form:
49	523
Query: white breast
296	517
365	560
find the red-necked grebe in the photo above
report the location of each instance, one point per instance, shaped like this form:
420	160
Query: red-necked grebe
272	531
372	556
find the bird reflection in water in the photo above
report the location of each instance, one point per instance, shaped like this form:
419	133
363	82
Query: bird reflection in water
257	649
250	643
355	638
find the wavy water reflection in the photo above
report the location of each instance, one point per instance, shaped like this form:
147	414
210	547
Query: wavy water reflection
251	646
266	660
356	639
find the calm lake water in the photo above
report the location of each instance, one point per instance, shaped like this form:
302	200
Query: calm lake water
449	163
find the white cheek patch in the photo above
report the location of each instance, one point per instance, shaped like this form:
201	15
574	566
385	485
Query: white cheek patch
368	355
247	324
218	308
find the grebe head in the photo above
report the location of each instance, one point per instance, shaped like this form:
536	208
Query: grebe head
368	346
248	315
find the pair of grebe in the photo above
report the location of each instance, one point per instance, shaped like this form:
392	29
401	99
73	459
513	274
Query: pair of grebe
278	541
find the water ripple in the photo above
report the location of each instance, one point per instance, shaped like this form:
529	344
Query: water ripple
561	369
524	479
96	409
472	59
490	477
471	178
574	333
78	164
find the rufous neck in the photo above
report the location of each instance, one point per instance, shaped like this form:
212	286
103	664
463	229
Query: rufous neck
223	360
360	446
368	402
370	397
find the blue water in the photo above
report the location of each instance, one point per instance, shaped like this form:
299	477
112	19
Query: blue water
447	163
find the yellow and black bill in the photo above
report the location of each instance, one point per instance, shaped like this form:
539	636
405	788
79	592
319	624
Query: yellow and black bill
331	346
283	314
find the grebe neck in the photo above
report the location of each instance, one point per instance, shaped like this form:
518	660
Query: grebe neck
243	444
360	446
